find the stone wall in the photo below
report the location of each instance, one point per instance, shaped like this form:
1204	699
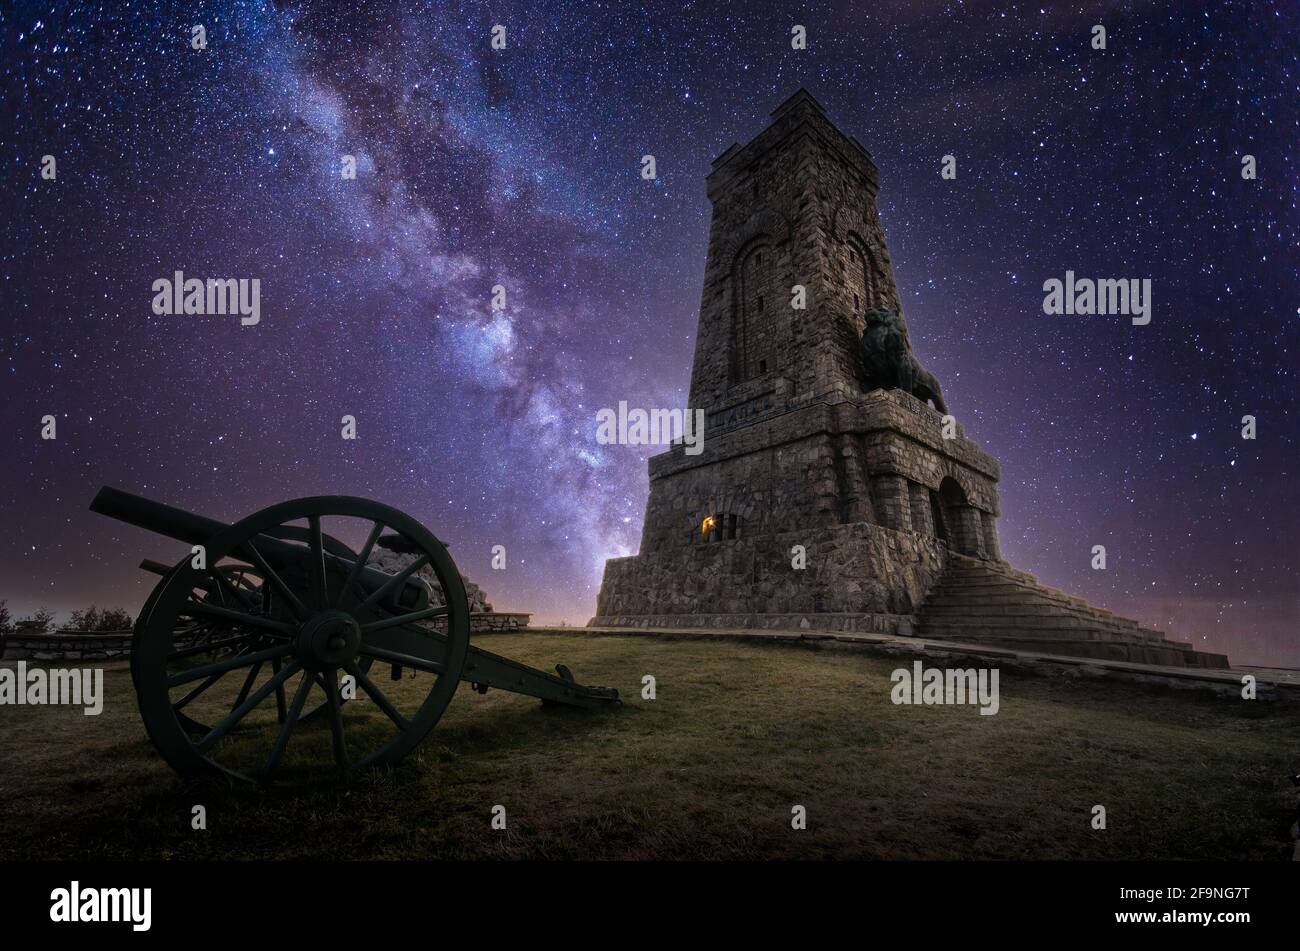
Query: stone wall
896	624
59	645
858	569
879	458
498	621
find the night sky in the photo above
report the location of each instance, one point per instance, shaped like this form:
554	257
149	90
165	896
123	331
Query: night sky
521	167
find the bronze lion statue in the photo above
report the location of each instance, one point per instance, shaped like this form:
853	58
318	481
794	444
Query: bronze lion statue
888	362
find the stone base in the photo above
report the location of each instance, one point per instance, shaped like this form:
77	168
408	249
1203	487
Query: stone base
854	571
866	579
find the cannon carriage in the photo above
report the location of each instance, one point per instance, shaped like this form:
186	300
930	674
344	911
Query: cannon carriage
270	627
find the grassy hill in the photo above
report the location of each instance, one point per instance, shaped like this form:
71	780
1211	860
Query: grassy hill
738	734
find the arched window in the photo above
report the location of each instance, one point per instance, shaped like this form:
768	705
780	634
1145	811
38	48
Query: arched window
862	279
758	331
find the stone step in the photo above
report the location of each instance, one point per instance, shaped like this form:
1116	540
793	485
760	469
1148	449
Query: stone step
992	603
992	632
1004	633
1030	606
995	585
999	626
1169	654
1008	596
1026	608
1064	622
1040	637
965	566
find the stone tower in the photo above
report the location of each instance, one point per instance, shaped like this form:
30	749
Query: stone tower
814	503
797	205
795	453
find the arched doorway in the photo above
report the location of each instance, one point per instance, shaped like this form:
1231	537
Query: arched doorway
960	518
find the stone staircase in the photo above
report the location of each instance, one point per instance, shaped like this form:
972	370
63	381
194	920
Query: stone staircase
989	602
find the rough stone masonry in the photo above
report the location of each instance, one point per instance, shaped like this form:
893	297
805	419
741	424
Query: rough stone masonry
797	454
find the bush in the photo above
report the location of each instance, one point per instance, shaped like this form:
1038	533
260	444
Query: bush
95	620
39	623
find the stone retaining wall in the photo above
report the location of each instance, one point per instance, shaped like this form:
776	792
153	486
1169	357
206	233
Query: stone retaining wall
498	621
61	645
898	625
66	645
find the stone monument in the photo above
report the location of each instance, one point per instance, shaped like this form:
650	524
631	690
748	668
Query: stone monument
830	493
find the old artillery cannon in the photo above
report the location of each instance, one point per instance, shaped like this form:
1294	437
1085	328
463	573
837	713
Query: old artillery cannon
291	610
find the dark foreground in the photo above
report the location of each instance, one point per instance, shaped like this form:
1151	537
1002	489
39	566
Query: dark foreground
738	735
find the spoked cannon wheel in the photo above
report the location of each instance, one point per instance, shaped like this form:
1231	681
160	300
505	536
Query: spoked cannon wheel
286	618
241	587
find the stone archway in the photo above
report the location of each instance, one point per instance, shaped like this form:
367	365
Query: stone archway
961	519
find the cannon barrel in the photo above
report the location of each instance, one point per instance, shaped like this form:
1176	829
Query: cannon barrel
155	516
171	522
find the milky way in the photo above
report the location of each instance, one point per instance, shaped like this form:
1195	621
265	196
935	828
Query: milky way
521	167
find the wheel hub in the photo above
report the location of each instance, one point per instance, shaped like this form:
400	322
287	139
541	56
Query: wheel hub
329	639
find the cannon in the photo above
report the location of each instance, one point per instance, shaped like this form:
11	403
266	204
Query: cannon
269	628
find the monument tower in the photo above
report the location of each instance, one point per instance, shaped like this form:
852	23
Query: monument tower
821	499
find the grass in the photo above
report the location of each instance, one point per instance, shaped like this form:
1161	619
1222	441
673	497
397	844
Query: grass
738	734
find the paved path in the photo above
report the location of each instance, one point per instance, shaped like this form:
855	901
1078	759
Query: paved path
1286	679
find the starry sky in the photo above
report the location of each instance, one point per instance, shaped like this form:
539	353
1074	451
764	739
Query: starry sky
521	167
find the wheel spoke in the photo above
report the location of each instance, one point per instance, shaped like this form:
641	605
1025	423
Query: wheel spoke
406	660
377	695
395	580
316	570
248	683
279	691
230	663
403	619
224	585
252	620
360	563
241	711
189	697
290	721
268	574
330	683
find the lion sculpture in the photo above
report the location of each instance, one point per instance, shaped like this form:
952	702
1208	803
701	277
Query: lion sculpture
888	361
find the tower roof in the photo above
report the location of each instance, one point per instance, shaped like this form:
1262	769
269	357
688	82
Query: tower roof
801	112
799	97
